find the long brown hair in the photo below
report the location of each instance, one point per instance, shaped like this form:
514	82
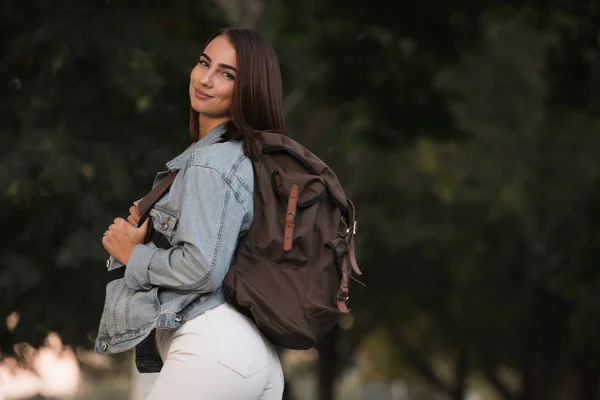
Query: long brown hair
257	102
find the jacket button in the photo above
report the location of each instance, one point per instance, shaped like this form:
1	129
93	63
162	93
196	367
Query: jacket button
178	318
104	346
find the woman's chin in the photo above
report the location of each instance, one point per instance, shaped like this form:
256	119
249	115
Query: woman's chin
203	111
210	113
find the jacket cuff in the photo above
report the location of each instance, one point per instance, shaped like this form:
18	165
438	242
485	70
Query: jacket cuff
136	272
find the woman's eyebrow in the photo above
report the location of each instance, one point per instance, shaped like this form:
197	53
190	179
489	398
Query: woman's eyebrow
226	66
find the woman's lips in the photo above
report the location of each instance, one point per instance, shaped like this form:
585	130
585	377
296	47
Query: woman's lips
199	94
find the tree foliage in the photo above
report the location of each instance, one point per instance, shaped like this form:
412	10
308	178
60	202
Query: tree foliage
467	134
95	103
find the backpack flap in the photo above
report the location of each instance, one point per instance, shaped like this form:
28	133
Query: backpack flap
278	144
311	188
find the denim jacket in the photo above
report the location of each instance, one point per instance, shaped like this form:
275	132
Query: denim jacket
208	207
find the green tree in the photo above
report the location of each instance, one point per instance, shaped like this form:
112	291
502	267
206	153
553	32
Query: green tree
478	248
483	249
467	133
95	103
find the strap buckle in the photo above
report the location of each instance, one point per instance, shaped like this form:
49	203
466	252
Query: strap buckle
339	297
353	230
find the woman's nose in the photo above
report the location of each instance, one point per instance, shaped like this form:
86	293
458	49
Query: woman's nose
206	80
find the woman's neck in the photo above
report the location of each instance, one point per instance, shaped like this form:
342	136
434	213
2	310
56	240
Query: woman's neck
205	125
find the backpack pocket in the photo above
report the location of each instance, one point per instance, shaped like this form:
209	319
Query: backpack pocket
320	302
287	235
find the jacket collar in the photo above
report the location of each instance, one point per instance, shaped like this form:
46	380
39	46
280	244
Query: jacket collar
210	138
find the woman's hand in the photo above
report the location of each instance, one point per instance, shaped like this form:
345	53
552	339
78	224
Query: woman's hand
134	214
121	237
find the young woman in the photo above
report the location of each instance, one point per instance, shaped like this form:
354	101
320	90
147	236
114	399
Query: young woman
171	297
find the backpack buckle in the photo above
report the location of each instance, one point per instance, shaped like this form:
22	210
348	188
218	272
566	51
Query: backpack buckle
343	232
351	231
339	294
354	228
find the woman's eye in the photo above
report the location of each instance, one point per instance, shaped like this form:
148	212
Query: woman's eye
227	75
203	63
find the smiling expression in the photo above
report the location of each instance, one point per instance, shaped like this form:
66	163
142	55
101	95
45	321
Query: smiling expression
212	80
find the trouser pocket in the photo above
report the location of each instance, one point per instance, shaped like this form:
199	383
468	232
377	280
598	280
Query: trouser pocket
239	344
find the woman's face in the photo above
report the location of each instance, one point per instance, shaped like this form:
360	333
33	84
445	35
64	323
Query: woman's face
212	79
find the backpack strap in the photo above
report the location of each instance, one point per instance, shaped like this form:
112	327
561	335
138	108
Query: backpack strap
352	230
149	200
343	296
349	264
144	207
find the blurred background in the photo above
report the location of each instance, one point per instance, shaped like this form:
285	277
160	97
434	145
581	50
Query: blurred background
467	133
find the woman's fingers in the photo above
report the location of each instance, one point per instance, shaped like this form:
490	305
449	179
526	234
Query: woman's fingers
142	231
133	210
134	216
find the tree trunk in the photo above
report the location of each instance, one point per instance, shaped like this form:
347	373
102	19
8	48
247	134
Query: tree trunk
542	371
458	392
287	389
545	338
327	364
589	384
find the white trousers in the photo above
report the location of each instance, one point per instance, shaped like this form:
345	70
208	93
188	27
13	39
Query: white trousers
218	355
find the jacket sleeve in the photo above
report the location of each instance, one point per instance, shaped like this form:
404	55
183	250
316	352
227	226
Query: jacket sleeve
204	242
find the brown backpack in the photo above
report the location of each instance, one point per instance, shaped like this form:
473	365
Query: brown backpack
292	269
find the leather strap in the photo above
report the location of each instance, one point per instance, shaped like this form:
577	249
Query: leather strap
290	216
148	201
157	238
115	274
144	207
343	294
352	256
352	232
352	216
349	264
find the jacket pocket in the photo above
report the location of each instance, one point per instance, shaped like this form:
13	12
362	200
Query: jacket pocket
164	222
128	310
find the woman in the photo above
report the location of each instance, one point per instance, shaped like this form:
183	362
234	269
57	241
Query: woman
209	350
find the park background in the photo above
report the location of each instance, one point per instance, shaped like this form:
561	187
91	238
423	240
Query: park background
467	133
